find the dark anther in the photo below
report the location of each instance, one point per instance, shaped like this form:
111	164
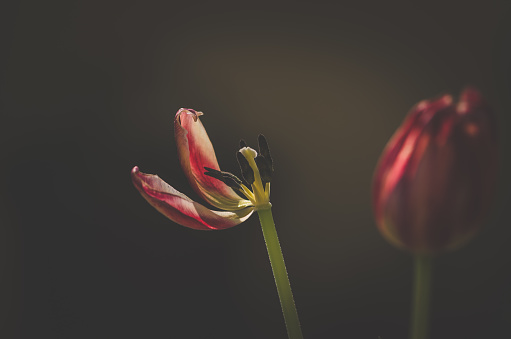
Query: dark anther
246	170
264	150
264	169
242	143
227	178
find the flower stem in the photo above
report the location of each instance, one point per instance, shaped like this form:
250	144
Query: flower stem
280	274
421	297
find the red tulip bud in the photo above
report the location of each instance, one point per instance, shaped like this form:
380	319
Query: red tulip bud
435	179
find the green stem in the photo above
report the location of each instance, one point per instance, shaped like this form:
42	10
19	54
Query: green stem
421	297
280	274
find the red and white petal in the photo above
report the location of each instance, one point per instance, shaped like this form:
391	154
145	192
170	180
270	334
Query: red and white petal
196	152
179	208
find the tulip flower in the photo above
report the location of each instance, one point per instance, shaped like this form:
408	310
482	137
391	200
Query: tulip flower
200	165
434	183
436	176
222	190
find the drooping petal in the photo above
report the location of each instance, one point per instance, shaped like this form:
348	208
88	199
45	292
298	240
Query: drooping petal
179	208
195	153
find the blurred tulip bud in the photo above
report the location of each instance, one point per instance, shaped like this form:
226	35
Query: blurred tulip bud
435	179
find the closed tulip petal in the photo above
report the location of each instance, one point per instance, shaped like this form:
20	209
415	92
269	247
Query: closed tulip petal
436	176
397	155
179	208
195	153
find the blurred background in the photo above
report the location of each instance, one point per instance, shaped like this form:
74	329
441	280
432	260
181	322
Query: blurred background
89	90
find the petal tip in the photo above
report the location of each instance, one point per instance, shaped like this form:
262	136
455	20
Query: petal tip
195	114
470	93
135	174
136	177
447	99
470	100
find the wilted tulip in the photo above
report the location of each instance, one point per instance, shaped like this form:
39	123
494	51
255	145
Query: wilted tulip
224	191
219	189
436	176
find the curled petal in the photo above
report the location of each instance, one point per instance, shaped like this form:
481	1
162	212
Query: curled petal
179	208
195	153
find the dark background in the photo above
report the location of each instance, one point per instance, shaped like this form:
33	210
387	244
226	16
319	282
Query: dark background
89	89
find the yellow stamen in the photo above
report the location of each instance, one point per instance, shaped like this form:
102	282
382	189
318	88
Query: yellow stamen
260	195
248	194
